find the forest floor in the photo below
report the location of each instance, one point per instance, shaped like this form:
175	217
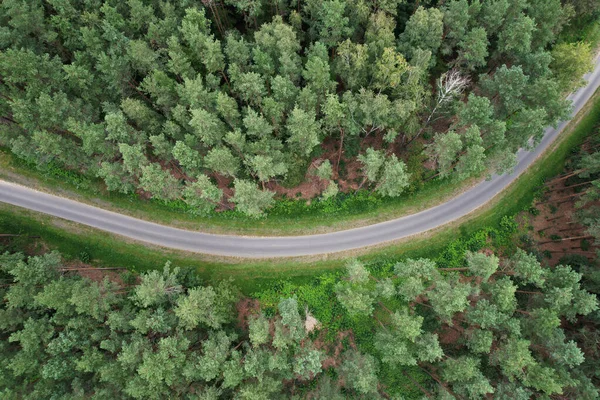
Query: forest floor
552	222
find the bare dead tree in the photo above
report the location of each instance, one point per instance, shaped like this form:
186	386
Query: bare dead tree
449	86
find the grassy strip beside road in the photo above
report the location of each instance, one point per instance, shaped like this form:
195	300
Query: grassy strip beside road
76	241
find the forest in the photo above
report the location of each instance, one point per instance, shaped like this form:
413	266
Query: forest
238	108
465	325
222	105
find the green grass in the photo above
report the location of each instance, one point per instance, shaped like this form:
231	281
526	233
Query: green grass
105	249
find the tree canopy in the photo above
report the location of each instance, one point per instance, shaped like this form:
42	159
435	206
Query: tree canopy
149	95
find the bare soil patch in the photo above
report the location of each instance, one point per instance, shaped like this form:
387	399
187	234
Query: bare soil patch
555	229
93	273
245	308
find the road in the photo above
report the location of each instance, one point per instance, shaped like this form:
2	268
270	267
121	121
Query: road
270	247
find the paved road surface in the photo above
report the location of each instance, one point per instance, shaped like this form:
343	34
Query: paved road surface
244	246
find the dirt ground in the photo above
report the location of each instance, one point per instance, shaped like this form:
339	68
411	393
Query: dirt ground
557	219
93	273
245	308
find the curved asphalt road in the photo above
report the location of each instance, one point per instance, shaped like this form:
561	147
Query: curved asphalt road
243	246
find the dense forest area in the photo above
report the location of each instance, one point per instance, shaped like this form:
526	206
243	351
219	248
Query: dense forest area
226	104
465	326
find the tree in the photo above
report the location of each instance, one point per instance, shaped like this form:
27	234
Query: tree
256	125
456	20
290	318
527	124
423	31
221	159
205	306
332	25
258	330
473	49
492	14
466	376
351	64
415	274
585	7
508	85
481	265
480	341
304	131
503	294
227	108
331	190
324	170
380	33
265	167
327	389
449	297
202	195
570	61
512	390
355	295
116	177
134	158
359	371
394	178
249	199
405	343
516	35
142	56
486	315
556	106
162	184
157	288
471	163
443	151
372	162
513	357
527	267
389	69
249	86
449	86
543	379
188	158
207	126
550	17
307	363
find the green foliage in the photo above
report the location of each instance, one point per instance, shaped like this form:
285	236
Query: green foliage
142	96
64	335
249	199
396	311
569	62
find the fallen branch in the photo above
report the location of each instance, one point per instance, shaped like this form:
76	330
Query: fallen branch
567	239
559	199
567	176
569	187
90	268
